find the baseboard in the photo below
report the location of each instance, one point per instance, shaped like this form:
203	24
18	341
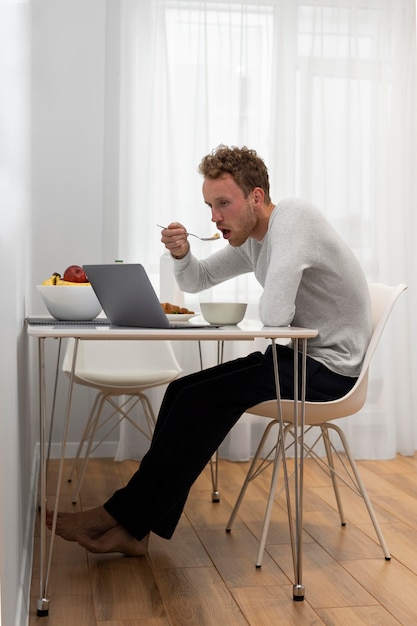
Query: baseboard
23	594
107	449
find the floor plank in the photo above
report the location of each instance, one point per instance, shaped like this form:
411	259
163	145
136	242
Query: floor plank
124	588
269	606
198	596
392	585
359	616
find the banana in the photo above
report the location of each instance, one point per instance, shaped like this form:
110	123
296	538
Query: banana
52	279
60	281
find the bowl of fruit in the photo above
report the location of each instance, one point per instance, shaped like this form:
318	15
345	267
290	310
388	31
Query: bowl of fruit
70	297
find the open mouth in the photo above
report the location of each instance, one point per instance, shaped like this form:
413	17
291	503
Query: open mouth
226	233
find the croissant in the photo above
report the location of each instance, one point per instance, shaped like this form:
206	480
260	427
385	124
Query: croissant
171	309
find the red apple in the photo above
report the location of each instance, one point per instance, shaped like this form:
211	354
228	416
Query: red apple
75	274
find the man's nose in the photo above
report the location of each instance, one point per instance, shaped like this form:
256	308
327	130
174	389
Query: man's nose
216	216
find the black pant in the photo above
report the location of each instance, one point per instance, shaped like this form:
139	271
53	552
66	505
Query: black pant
196	414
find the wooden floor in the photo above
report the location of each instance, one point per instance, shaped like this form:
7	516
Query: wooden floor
205	576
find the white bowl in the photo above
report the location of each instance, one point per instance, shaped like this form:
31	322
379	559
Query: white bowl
223	312
70	302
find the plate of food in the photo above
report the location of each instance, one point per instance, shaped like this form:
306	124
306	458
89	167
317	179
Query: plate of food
180	317
177	313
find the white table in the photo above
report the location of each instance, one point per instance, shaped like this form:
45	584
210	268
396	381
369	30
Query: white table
245	331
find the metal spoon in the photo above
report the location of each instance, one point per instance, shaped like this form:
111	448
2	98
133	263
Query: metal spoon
215	236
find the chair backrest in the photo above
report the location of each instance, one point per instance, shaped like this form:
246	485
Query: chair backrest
119	358
383	298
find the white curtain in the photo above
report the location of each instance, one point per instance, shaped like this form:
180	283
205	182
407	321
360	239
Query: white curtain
326	93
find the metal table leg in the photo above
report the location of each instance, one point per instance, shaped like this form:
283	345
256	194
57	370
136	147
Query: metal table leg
54	395
45	567
214	461
43	602
299	423
295	526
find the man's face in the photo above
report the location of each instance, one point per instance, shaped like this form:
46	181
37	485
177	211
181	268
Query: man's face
230	210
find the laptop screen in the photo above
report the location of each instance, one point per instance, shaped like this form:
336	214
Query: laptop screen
127	295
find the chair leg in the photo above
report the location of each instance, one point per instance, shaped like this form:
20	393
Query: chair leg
255	469
329	454
91	433
214	470
125	414
85	435
362	489
271	497
149	415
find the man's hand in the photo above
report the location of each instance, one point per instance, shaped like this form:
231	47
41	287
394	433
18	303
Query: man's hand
175	240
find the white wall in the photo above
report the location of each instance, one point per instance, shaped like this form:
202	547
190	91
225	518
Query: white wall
68	115
53	118
74	169
17	436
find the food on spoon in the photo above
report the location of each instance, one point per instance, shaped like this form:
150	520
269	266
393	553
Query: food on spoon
216	236
172	309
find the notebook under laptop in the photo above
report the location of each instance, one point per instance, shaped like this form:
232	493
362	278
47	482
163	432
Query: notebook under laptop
128	297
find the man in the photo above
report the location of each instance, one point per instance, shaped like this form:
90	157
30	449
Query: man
310	278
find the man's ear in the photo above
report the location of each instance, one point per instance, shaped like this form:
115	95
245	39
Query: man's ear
258	196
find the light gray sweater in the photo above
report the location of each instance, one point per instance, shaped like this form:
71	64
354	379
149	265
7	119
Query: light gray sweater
310	278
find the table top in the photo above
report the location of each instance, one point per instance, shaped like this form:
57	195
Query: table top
246	330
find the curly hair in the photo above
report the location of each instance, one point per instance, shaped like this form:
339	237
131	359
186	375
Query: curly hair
244	165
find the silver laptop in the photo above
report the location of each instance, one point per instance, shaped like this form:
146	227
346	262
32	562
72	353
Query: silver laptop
128	297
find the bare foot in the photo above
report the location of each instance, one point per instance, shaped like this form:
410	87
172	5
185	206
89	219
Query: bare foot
116	539
91	524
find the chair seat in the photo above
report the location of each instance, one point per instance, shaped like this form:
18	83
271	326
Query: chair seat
119	382
317	413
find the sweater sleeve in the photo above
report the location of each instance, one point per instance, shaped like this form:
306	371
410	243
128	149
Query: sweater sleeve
290	251
194	275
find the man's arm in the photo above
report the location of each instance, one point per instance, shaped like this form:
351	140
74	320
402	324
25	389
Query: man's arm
194	275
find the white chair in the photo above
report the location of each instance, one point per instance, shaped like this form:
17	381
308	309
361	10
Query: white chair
121	371
320	414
